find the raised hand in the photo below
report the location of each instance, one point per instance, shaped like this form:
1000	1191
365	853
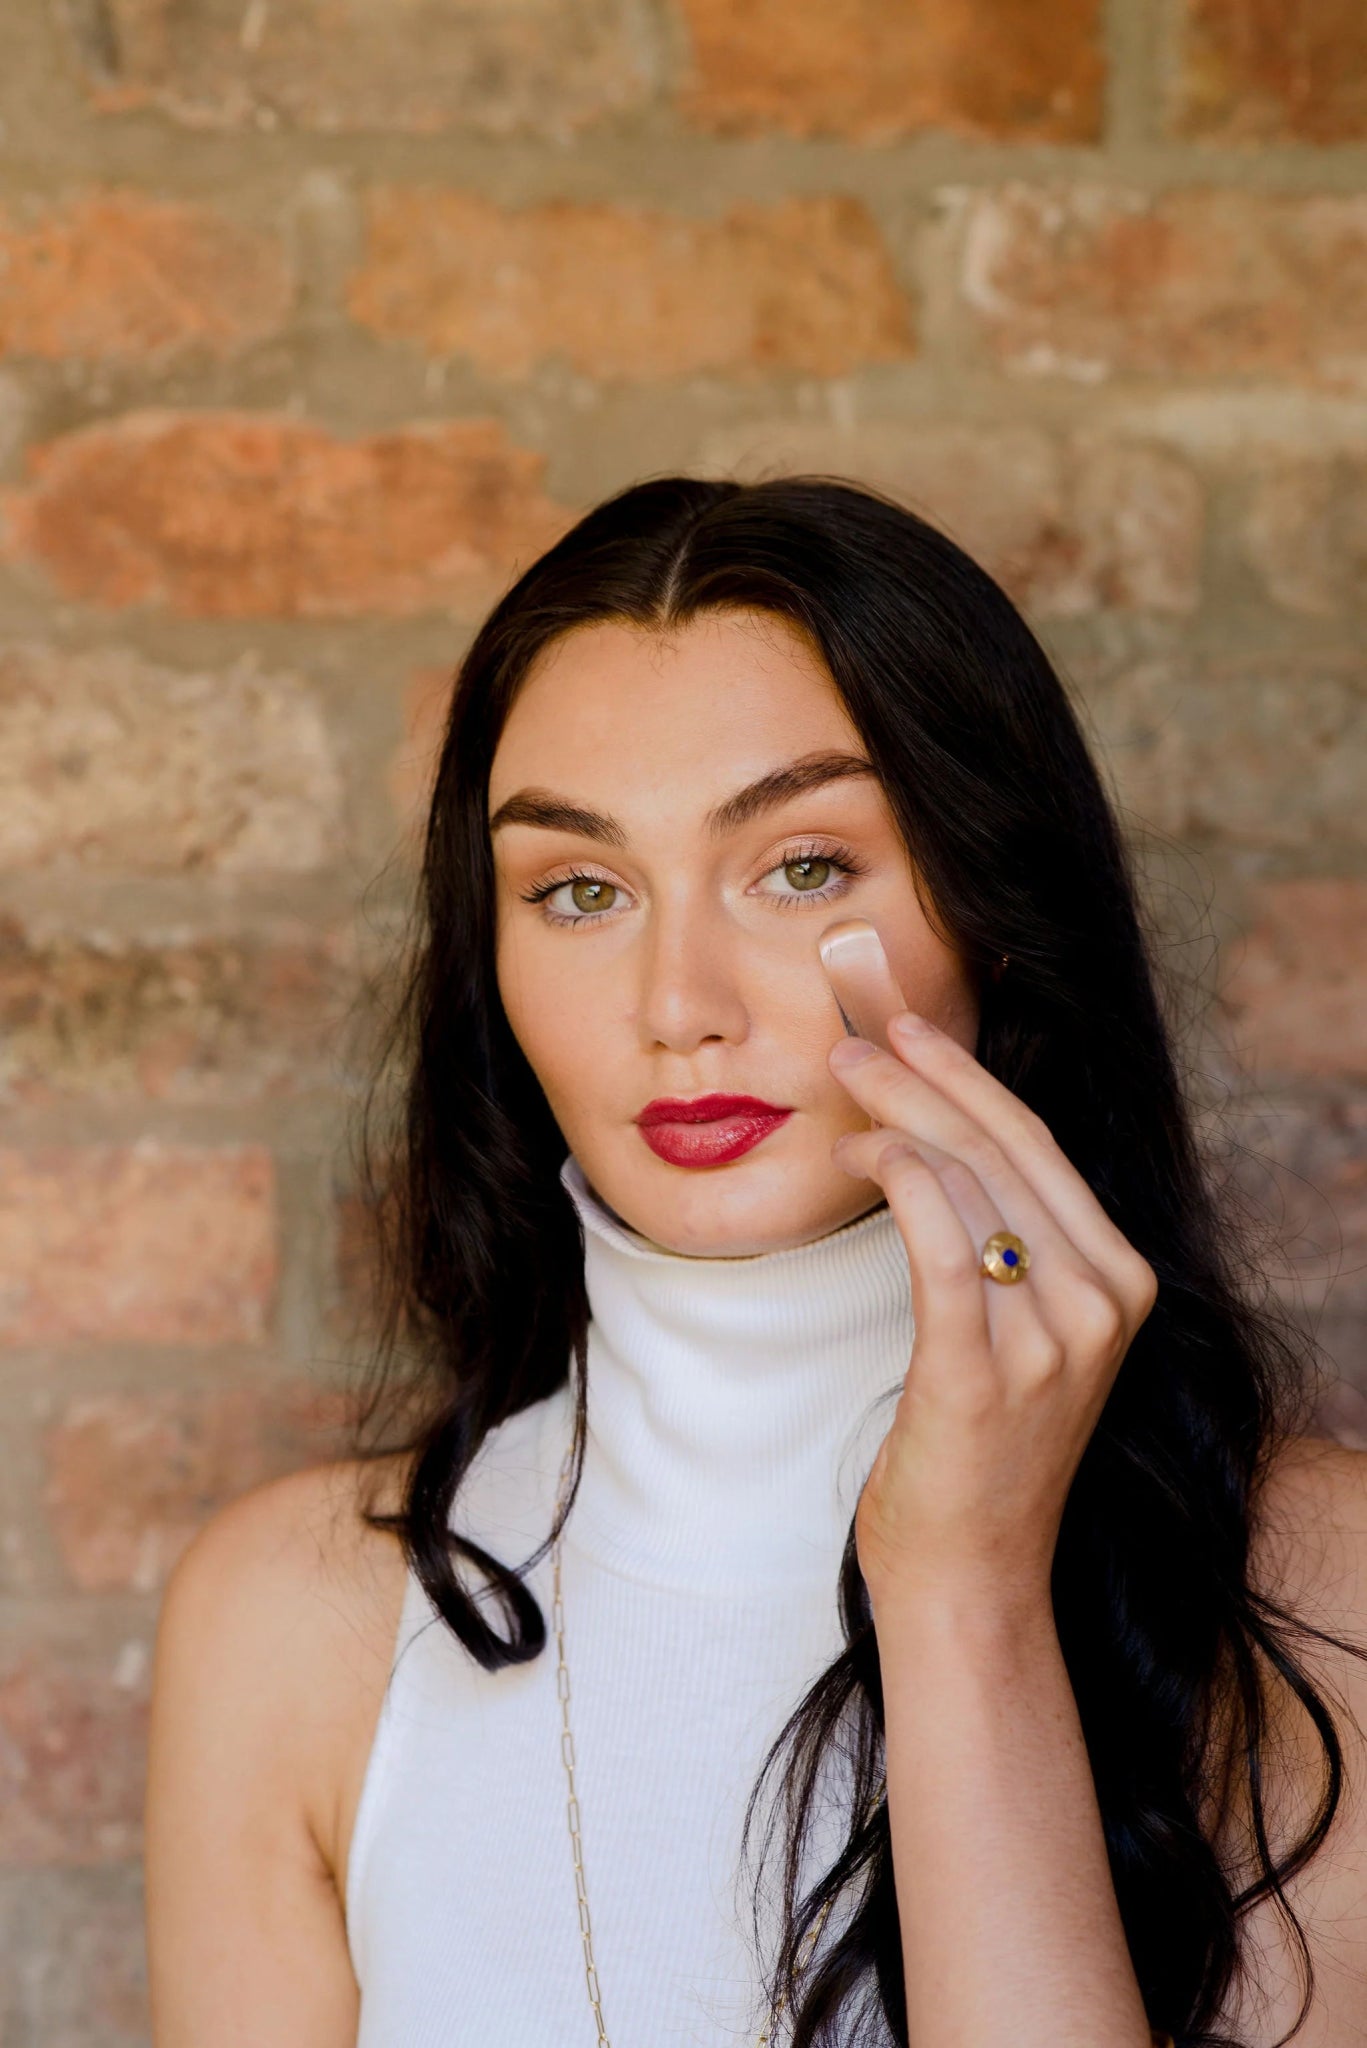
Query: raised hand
1006	1382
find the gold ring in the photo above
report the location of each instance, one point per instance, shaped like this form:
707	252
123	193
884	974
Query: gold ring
1004	1258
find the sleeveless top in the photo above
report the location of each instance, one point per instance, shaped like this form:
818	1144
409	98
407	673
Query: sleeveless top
735	1406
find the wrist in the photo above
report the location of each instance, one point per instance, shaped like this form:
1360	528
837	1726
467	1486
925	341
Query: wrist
971	1616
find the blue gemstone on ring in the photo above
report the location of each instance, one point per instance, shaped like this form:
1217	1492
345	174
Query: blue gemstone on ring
1010	1258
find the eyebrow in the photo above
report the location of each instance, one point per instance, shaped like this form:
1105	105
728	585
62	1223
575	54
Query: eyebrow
795	778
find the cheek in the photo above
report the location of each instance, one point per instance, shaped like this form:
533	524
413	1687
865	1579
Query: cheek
934	982
549	1003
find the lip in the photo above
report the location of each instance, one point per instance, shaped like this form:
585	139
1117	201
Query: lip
710	1129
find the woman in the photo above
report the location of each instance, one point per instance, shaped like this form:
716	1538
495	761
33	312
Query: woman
1031	1642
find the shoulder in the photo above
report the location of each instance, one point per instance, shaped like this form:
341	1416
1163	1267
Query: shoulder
1310	1533
1309	1557
278	1624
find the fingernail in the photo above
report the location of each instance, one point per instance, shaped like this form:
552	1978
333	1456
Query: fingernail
910	1025
847	1052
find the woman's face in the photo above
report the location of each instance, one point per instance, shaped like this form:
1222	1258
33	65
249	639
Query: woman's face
674	953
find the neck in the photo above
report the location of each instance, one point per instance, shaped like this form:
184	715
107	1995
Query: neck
734	1405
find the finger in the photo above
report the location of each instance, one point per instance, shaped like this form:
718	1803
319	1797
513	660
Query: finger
932	1122
1072	1302
947	1293
1031	1145
1034	1183
857	1153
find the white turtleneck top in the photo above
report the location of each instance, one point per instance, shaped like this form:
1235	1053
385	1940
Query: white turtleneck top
734	1409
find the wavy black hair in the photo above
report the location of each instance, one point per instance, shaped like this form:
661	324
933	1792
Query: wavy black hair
1171	1648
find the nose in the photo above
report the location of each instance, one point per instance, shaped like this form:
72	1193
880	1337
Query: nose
690	988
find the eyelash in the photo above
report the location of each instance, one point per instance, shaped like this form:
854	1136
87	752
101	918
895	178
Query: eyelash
841	857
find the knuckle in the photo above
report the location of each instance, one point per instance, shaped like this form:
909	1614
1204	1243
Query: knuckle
1143	1285
896	1156
958	1178
1042	1358
1035	1126
982	1154
1094	1313
950	1263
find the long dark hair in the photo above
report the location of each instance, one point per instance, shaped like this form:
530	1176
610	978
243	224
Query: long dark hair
1170	1646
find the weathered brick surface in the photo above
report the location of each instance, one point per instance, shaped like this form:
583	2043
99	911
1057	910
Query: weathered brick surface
1268	750
1272	71
132	1476
73	1723
871	72
1305	532
248	516
145	1243
413	765
112	275
496	67
318	319
1304	1164
1092	281
108	760
1069	525
806	285
76	1973
204	1021
1298	990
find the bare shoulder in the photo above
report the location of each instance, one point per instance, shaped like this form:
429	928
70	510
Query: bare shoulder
1310	1533
1309	1556
287	1602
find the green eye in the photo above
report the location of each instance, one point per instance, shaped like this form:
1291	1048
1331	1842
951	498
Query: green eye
801	872
588	894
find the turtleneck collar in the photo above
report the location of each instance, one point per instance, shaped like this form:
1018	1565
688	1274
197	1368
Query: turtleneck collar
734	1405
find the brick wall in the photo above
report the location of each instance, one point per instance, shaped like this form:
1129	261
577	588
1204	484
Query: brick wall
308	335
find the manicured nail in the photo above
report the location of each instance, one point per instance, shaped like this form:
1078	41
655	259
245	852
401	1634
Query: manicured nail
847	1052
910	1025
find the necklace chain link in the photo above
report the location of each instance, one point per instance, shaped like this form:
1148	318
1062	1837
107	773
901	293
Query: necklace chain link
562	1687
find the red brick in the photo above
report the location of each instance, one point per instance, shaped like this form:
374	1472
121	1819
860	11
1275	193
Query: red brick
111	761
73	1730
240	515
204	1021
1273	71
1297	992
1067	526
73	1953
1305	532
114	275
132	1476
1089	282
143	1243
616	291
870	72
539	67
1265	751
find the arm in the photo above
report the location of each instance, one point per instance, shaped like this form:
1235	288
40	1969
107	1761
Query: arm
1010	1926
1009	1921
256	1670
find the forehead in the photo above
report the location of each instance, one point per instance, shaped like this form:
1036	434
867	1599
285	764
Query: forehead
612	706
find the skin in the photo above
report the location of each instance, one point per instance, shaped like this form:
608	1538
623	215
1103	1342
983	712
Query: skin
697	970
277	1627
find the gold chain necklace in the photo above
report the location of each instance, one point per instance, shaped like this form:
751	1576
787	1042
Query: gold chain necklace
562	1686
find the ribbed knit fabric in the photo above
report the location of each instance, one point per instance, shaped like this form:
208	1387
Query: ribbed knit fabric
735	1406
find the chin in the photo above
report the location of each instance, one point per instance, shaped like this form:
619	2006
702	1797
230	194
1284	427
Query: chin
720	1213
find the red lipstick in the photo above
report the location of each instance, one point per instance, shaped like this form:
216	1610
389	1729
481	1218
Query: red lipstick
710	1129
